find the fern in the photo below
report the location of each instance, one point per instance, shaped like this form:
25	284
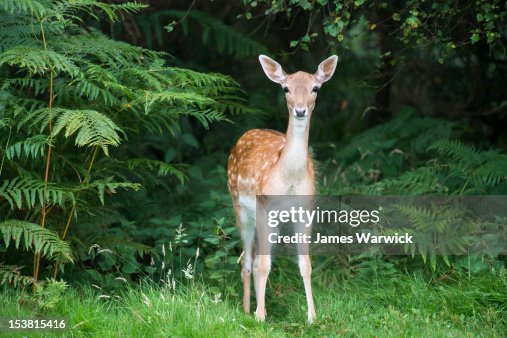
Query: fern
108	95
440	230
492	171
91	127
36	8
422	180
112	11
31	147
26	192
117	55
457	150
479	169
11	274
38	61
226	39
40	240
162	168
110	186
5	122
174	97
187	78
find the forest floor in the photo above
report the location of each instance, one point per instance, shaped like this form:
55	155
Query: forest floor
403	306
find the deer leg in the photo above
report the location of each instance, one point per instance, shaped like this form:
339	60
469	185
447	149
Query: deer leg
305	264
262	262
262	267
305	268
246	272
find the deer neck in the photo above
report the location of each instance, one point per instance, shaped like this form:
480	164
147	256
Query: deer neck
294	157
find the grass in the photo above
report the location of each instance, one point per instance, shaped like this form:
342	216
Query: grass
400	306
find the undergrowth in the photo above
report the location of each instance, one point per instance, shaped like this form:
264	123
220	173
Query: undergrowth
356	307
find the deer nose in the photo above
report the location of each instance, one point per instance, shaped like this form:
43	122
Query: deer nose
300	112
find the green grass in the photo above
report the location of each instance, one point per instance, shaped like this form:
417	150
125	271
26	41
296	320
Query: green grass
403	306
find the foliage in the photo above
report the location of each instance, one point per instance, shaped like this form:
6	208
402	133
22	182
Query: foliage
214	33
11	275
49	294
443	58
74	105
417	23
186	237
40	239
418	158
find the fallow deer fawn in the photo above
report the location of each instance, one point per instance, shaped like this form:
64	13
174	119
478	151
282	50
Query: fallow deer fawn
266	162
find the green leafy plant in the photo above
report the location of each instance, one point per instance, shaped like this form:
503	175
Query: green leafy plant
215	33
34	237
421	157
74	104
50	293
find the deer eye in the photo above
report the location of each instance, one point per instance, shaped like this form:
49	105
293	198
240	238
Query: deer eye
315	89
286	90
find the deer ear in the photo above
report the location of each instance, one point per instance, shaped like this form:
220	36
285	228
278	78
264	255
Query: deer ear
326	69
272	69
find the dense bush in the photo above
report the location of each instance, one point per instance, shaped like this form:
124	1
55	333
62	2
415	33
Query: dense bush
81	118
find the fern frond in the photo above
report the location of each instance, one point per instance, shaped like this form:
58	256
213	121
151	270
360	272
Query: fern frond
40	240
457	150
162	168
26	191
115	54
91	127
151	79
39	61
5	122
493	169
174	98
33	7
11	274
39	86
35	116
439	229
188	78
112	11
110	186
414	182
32	147
228	40
95	82
432	218
205	117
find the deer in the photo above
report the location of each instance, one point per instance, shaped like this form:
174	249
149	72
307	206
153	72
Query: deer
267	162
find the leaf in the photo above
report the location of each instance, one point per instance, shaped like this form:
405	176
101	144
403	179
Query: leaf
38	60
26	192
40	240
91	128
162	168
475	38
31	147
190	140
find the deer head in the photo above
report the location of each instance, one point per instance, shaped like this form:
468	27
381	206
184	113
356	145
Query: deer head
300	88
